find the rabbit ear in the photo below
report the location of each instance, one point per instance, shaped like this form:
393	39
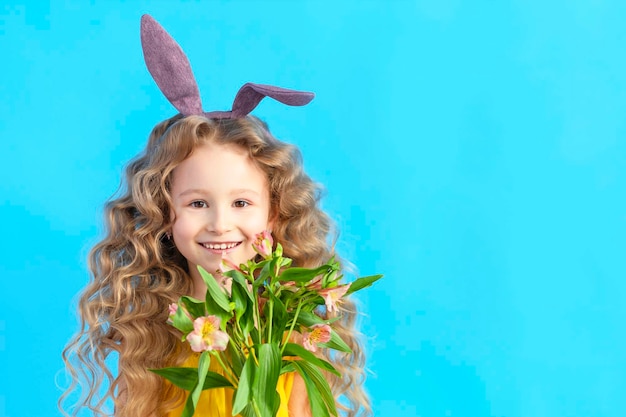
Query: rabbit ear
250	95
169	67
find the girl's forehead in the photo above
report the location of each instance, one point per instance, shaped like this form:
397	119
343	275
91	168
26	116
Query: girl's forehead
213	165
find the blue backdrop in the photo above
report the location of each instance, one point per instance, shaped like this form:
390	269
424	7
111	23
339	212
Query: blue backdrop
473	151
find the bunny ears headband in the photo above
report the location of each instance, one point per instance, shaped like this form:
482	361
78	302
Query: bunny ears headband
171	70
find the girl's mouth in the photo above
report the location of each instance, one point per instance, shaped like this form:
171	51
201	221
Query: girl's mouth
220	247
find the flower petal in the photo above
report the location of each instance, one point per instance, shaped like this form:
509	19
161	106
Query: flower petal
196	342
263	244
207	334
320	333
332	296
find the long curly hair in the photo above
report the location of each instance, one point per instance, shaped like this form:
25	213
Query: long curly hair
136	272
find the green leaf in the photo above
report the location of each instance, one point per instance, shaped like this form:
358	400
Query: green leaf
299	274
215	310
263	275
194	306
189	409
247	322
215	380
321	384
279	250
287	367
330	278
214	291
235	358
336	342
241	281
243	301
254	334
273	263
248	411
280	318
363	282
187	378
203	370
292	349
309	319
319	300
316	399
181	321
243	394
240	300
266	379
192	399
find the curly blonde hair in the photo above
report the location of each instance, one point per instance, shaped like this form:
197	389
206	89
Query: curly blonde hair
137	272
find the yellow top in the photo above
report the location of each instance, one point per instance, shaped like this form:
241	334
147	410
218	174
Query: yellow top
217	402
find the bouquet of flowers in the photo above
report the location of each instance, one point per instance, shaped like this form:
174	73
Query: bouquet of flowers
247	323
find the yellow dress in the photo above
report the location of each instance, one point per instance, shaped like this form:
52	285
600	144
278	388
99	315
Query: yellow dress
217	402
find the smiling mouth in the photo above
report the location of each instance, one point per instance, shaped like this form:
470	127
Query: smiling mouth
220	246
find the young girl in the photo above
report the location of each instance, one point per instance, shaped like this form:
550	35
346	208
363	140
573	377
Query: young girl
201	190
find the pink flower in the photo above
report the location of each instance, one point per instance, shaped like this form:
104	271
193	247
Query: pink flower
226	283
315	284
172	309
289	286
333	295
206	335
263	244
228	265
320	333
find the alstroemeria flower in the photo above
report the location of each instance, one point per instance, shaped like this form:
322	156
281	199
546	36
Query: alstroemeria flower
206	335
315	284
289	286
225	282
172	309
333	295
228	265
263	244
320	333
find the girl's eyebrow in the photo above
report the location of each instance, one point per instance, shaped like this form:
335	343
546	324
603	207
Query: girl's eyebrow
244	191
191	191
233	192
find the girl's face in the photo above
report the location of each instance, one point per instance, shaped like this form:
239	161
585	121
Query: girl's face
220	202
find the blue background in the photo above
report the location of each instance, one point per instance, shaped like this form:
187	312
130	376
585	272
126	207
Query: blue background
473	151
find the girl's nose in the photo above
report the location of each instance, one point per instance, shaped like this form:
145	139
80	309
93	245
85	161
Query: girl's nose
219	222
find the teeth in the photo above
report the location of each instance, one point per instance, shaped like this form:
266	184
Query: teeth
220	246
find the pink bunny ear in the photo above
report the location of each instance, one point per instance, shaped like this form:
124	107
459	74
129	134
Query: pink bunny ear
169	67
250	95
171	70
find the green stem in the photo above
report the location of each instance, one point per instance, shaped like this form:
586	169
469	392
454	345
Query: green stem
256	408
269	332
293	324
257	314
230	375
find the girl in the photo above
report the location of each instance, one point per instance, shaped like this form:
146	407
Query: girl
204	186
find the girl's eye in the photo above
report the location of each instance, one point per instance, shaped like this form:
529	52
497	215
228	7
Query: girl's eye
198	204
241	203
